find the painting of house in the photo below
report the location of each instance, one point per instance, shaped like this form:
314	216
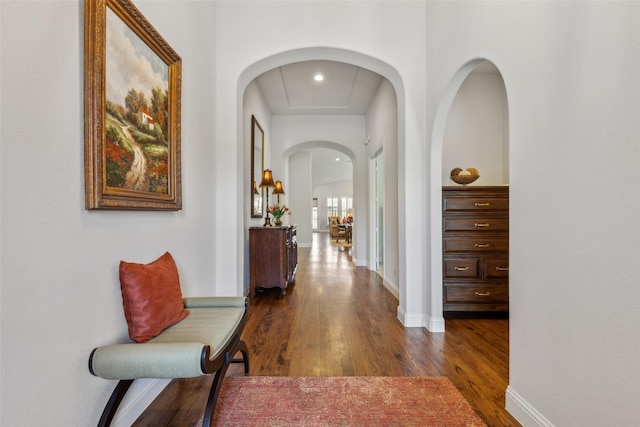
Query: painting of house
146	119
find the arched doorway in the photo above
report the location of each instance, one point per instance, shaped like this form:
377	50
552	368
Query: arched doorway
360	161
305	227
499	174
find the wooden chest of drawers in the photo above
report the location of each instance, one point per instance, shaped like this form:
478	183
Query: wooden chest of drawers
475	232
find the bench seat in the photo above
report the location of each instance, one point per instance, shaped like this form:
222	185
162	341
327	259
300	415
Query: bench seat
202	343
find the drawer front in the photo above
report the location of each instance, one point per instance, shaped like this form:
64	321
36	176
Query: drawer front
461	267
496	268
475	244
476	204
476	224
476	293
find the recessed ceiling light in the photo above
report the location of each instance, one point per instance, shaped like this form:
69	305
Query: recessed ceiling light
318	77
337	159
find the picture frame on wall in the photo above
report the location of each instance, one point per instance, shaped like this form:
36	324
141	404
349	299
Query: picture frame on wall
132	111
257	167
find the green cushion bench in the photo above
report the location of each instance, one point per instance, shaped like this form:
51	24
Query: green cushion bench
174	337
203	343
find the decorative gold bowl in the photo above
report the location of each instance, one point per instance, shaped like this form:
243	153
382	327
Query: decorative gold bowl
466	178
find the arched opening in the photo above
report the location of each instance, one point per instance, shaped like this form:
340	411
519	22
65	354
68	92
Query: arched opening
359	156
445	152
301	158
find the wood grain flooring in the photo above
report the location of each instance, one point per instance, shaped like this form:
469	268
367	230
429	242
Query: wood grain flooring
339	320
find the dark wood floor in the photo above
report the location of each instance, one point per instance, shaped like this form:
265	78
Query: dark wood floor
339	320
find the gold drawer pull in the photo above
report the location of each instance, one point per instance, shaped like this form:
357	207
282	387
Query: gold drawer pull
461	268
482	224
481	245
482	205
502	268
483	294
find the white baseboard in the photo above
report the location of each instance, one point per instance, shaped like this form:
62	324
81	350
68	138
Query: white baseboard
436	324
359	262
393	288
433	324
522	411
138	398
411	321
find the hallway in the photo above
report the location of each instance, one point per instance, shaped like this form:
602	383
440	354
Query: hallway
339	320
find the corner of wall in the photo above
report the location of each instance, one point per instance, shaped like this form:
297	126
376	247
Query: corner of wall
522	411
411	320
436	324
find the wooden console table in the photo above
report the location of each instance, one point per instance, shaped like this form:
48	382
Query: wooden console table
273	257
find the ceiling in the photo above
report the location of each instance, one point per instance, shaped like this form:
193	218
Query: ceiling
346	88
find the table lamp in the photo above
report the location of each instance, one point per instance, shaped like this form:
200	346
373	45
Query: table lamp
267	181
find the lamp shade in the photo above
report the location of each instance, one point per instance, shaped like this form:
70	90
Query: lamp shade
278	188
255	188
267	179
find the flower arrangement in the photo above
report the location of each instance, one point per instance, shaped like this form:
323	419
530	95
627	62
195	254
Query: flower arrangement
277	211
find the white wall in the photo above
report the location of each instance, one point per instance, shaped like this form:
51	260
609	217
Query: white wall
382	131
254	104
300	200
571	76
327	169
59	280
475	133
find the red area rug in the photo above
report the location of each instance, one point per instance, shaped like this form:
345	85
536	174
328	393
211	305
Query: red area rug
342	401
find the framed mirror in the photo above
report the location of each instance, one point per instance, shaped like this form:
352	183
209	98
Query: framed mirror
257	166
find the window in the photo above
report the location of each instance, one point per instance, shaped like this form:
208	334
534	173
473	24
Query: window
314	218
314	215
332	206
347	203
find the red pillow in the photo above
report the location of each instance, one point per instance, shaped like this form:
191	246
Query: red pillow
151	297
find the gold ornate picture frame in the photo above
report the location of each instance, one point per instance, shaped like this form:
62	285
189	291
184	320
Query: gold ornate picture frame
132	104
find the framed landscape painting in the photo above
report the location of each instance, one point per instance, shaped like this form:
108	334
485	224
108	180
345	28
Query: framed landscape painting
132	93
